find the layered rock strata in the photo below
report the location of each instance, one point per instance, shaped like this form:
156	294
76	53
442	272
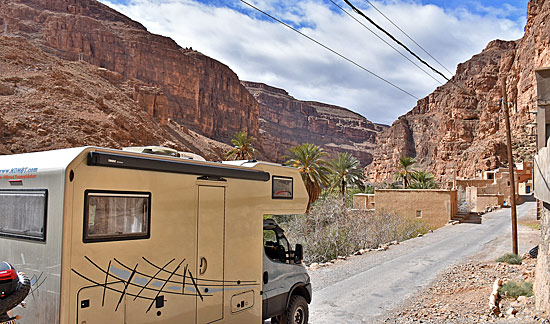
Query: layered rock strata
286	122
459	128
200	92
50	103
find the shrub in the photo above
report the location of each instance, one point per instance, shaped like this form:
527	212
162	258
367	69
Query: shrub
510	258
331	229
513	289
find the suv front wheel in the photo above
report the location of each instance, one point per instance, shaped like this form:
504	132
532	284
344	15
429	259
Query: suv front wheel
297	311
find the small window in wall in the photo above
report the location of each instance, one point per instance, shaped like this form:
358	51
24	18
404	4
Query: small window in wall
508	183
418	214
23	214
528	189
114	216
490	176
281	188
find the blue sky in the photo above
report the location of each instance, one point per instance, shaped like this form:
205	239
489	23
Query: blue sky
261	50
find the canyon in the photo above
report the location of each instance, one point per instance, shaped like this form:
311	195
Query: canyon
459	129
178	90
123	86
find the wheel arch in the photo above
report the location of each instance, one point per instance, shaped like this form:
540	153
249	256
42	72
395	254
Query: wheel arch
298	289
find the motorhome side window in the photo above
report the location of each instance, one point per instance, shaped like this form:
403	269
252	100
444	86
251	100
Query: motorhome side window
281	187
111	216
23	213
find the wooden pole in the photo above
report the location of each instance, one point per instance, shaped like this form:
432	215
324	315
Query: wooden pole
504	104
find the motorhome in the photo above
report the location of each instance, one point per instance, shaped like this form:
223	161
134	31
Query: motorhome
112	236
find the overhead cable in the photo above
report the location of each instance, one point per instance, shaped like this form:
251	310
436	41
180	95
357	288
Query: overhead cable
390	45
359	12
331	50
409	37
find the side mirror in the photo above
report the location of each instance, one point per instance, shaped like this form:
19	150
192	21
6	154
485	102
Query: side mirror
298	253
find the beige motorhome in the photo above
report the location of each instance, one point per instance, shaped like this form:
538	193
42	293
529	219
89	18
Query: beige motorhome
110	236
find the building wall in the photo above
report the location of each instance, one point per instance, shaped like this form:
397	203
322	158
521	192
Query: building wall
437	207
524	171
363	201
542	191
480	198
464	183
542	273
525	188
484	201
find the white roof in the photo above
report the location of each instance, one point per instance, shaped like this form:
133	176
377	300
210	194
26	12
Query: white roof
43	161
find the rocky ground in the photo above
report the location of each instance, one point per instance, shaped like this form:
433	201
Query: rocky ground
461	295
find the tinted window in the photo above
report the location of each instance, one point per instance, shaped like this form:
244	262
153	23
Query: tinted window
23	213
113	216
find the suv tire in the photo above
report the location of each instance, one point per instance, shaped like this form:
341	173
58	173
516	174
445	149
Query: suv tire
297	311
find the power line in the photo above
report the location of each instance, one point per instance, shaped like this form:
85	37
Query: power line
359	12
409	37
395	49
331	50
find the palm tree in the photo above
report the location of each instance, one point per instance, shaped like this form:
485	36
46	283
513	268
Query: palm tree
423	180
308	158
346	171
242	147
405	170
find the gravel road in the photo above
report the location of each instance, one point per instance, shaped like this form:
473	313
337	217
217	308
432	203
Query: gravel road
362	288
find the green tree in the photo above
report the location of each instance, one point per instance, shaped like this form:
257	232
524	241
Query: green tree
405	169
242	147
346	171
422	180
308	159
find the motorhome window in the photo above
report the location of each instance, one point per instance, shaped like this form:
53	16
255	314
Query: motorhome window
281	188
23	214
112	216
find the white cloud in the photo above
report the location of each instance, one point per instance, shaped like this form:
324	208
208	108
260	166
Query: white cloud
261	50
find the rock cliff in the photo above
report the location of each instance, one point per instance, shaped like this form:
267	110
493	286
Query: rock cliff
460	126
181	90
286	122
200	92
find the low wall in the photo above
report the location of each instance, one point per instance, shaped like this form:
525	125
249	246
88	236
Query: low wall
433	206
363	201
484	201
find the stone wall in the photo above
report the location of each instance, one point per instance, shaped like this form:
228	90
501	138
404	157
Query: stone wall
436	207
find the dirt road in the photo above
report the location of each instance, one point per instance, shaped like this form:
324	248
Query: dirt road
365	287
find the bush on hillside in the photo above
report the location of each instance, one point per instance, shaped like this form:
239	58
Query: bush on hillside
513	289
510	258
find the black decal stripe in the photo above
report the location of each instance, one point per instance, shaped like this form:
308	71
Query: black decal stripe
161	288
183	281
224	283
195	284
104	287
151	279
126	287
184	166
133	284
97	284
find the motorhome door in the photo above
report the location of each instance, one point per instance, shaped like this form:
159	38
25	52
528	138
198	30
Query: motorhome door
210	253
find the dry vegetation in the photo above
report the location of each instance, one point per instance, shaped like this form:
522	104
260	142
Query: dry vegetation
331	229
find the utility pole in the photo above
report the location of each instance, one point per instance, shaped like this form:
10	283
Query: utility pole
504	105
